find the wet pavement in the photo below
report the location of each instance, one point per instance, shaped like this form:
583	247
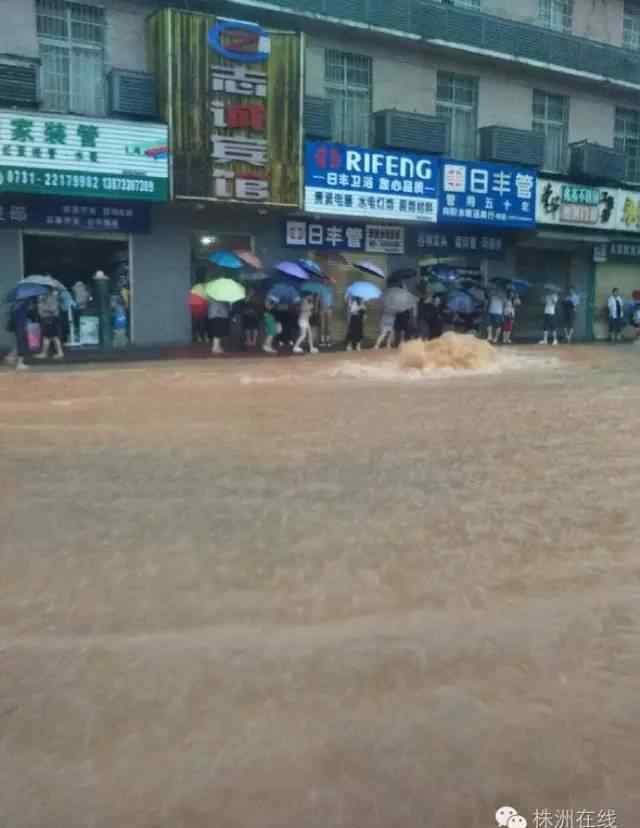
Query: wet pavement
320	592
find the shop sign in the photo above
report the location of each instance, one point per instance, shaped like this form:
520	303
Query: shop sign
595	208
477	192
622	250
332	235
353	181
62	155
73	216
456	244
235	110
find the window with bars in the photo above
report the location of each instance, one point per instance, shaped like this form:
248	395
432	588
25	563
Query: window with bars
551	116
627	140
71	38
631	25
556	14
348	86
457	100
465	4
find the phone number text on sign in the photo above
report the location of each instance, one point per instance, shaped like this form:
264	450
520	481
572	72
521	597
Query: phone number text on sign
20	180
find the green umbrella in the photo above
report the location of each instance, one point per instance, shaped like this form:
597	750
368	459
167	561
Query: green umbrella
225	290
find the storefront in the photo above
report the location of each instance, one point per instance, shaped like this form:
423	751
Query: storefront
587	238
74	196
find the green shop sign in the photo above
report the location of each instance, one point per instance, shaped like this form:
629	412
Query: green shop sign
572	194
60	155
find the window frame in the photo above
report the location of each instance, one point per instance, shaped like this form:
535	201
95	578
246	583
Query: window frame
546	121
546	10
631	25
72	46
346	87
632	160
452	105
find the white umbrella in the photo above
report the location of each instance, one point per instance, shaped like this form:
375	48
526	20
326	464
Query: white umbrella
398	300
46	281
372	269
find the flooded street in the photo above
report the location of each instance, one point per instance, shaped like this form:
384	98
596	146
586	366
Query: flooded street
320	592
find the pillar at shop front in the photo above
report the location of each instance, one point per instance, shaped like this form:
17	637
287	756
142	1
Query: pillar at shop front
102	293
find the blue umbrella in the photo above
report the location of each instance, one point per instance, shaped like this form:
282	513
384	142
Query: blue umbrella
311	267
25	290
364	290
292	269
317	288
283	294
224	258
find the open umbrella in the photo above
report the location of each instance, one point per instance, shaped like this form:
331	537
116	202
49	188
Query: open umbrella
249	258
24	291
398	300
370	268
254	276
552	287
311	267
460	301
283	294
364	290
45	281
200	290
225	290
292	269
225	258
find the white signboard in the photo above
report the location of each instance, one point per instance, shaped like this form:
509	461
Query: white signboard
565	203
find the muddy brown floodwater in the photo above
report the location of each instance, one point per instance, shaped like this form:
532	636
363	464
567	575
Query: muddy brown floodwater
319	593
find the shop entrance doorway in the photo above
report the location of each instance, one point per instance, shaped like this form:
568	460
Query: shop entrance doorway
101	315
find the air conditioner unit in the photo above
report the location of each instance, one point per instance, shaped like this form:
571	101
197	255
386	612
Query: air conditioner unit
409	131
318	118
18	82
512	146
597	162
132	94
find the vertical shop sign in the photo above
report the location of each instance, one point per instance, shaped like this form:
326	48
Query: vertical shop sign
231	93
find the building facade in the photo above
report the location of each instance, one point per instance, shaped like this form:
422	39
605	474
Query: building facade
542	93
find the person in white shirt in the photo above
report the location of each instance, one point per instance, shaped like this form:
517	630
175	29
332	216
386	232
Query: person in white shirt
304	324
615	306
551	300
496	317
569	305
510	304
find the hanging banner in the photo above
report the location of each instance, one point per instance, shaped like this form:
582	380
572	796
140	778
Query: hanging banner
451	244
353	181
479	192
231	93
566	203
75	215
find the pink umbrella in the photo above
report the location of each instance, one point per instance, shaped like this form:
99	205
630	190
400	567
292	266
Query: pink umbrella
371	269
292	269
249	258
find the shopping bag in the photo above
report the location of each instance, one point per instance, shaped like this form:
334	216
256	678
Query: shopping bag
34	336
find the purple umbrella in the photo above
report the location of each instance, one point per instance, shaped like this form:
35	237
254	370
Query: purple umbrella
372	269
292	269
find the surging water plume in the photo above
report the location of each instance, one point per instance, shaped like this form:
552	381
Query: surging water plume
458	352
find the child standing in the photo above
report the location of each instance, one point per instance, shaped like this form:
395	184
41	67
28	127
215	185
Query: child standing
251	321
569	305
496	317
49	313
304	326
511	303
387	324
355	331
550	326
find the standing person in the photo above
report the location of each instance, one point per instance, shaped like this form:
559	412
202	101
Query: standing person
251	320
355	331
569	305
218	316
49	313
510	304
386	330
19	318
550	325
427	313
496	316
271	328
304	327
615	306
402	326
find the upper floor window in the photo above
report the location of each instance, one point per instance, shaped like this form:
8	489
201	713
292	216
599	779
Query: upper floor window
556	14
71	38
631	24
627	140
551	116
457	100
348	85
467	4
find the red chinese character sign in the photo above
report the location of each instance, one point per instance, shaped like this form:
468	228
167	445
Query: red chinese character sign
231	93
